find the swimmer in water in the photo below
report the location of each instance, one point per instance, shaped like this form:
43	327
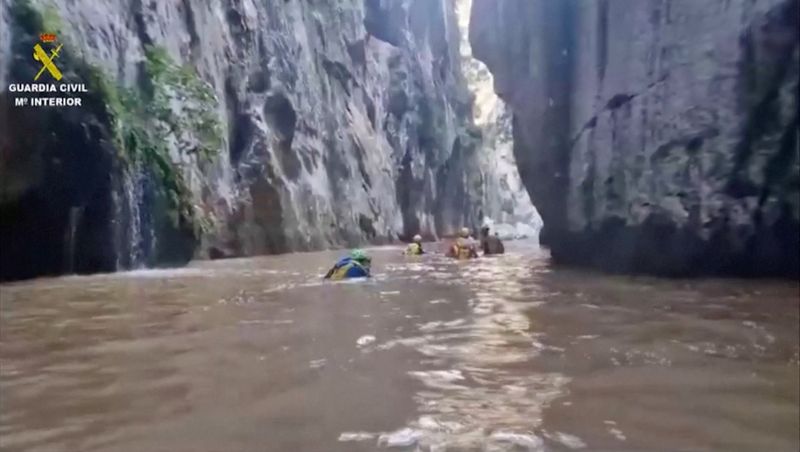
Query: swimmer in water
463	247
355	265
415	247
491	244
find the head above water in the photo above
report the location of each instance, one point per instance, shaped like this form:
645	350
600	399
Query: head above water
417	239
360	256
464	232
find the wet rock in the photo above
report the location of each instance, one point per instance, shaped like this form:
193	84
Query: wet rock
505	198
215	253
654	136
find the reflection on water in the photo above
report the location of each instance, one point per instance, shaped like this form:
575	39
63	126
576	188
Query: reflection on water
472	393
501	353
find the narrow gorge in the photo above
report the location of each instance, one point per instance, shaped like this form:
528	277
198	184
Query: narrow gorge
261	225
241	127
654	136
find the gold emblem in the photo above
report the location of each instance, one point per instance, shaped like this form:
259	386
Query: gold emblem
47	61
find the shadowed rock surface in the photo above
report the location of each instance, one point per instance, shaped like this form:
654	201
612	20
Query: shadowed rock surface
654	136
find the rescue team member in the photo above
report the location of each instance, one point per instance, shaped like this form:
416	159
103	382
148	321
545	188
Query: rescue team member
463	247
415	247
491	244
355	265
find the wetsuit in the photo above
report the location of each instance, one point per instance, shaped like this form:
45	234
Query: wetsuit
492	245
463	249
414	249
347	267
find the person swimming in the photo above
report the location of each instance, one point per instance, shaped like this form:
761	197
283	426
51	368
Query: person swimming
415	247
491	244
463	247
355	265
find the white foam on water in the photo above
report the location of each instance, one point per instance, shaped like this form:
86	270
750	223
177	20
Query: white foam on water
528	440
540	346
439	325
571	441
317	363
159	273
430	423
365	340
514	389
253	322
343	281
439	375
617	433
400	438
356	436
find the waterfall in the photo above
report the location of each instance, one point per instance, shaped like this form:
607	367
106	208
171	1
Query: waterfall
75	214
135	235
147	227
133	195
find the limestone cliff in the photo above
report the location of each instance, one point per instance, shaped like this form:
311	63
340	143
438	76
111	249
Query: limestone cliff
506	203
234	127
654	135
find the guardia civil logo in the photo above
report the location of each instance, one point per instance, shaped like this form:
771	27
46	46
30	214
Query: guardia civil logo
47	61
48	79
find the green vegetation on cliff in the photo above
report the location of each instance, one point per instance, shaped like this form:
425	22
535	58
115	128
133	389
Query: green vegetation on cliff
175	111
168	122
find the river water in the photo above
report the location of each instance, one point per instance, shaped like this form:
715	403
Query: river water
503	353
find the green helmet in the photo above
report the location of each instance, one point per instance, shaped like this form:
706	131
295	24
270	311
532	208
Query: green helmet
359	255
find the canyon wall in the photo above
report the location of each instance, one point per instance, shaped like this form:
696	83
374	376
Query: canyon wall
655	136
506	204
233	128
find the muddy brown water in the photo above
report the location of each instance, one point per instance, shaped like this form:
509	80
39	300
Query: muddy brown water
503	353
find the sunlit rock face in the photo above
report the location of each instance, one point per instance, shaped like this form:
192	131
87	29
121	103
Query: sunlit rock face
343	122
506	204
654	136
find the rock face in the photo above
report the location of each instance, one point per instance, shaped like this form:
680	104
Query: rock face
656	136
506	203
234	127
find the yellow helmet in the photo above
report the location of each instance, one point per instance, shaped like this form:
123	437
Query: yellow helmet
417	238
465	232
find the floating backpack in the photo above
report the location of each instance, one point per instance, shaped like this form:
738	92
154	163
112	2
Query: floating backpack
347	268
